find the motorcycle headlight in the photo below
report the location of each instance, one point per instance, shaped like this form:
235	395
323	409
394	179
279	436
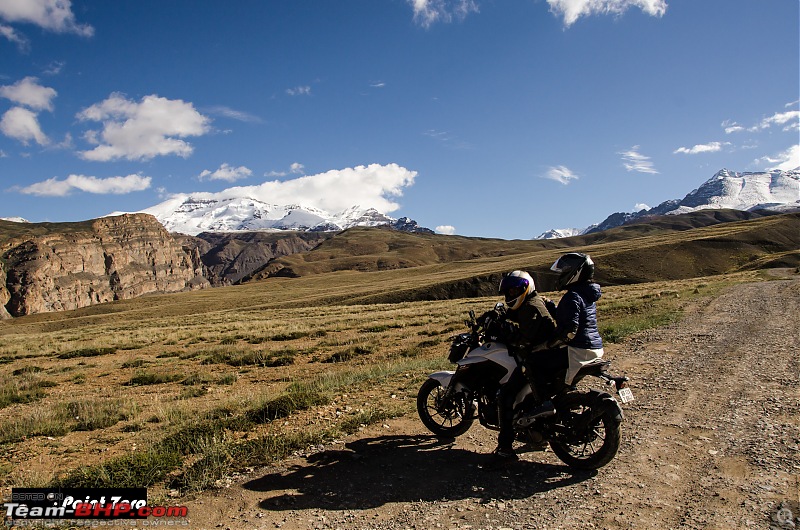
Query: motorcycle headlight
458	348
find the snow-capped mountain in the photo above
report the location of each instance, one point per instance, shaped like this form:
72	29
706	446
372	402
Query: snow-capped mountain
558	233
771	190
191	215
14	219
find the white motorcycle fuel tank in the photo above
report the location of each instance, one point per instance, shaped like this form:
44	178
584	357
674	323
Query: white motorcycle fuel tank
495	352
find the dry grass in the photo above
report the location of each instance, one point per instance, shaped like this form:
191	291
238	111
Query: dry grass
185	386
178	390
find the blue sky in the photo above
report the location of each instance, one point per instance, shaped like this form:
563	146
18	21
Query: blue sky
489	118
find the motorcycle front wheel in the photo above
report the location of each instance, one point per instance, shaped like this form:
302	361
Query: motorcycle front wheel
587	446
446	417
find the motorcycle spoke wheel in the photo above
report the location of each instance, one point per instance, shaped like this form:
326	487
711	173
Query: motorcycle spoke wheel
591	446
444	416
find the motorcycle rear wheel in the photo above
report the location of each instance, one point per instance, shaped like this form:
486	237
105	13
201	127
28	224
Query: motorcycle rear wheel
597	445
444	419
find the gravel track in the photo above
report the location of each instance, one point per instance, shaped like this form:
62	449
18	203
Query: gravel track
712	441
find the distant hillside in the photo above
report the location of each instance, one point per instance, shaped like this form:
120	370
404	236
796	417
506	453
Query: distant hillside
375	249
379	248
59	266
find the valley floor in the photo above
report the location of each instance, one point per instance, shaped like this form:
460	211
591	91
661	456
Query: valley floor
712	441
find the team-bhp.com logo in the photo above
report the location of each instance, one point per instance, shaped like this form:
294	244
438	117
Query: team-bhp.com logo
85	503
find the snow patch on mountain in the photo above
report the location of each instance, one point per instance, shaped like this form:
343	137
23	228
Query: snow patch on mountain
774	190
192	215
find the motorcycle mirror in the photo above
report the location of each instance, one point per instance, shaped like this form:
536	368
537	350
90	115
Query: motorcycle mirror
471	314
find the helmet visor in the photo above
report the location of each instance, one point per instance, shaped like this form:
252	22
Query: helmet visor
512	293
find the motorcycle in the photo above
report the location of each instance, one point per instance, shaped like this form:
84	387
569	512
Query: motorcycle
584	432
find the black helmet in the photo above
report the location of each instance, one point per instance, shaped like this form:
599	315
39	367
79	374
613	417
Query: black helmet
572	268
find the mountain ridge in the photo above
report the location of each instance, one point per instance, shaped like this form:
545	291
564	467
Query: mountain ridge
775	190
192	215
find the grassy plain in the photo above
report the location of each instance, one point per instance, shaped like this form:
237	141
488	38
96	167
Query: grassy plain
178	392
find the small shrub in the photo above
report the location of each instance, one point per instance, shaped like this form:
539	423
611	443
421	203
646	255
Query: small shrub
282	406
196	379
252	358
27	370
350	353
92	415
290	336
153	378
133	470
227	379
86	352
193	392
29	388
135	363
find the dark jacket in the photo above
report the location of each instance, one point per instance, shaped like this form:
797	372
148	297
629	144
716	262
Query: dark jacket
531	324
576	316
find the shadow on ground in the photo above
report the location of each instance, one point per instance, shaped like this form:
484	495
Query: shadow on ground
371	472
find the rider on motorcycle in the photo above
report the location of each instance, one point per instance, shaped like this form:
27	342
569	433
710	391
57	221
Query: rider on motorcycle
576	314
526	322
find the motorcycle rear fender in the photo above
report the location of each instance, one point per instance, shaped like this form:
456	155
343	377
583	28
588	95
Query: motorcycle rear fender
609	403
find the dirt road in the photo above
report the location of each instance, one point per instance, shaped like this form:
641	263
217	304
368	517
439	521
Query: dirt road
712	441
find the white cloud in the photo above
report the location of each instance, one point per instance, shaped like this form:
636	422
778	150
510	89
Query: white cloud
633	160
54	68
372	186
561	174
12	35
732	127
638	207
299	91
785	161
23	125
111	185
428	12
141	131
789	120
711	147
296	168
227	112
52	15
227	173
572	10
447	230
30	93
447	140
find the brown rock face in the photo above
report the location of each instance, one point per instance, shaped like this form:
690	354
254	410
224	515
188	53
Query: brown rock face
71	265
230	258
5	296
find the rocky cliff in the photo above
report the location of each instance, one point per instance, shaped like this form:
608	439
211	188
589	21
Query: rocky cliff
229	257
59	266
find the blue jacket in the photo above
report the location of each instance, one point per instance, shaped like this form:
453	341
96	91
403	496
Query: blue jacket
576	316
